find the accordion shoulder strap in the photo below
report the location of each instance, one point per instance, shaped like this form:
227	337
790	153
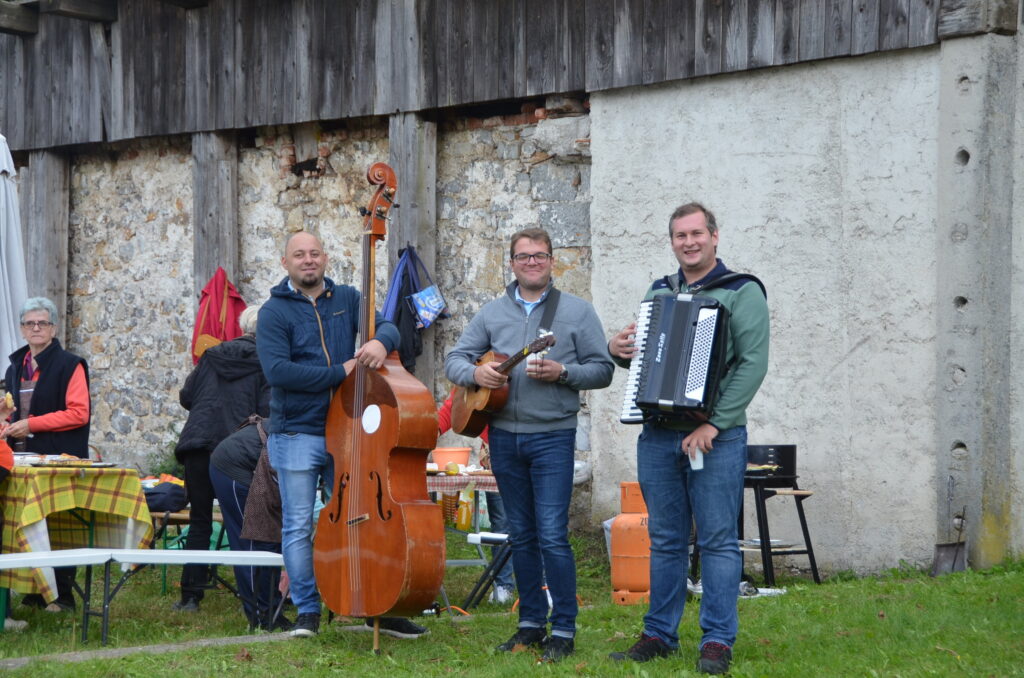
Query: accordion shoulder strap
673	282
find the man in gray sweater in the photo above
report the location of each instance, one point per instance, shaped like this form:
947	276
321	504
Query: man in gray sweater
532	439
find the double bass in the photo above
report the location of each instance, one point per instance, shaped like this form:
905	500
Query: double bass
379	546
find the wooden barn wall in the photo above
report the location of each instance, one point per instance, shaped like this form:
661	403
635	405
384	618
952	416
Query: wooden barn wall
162	69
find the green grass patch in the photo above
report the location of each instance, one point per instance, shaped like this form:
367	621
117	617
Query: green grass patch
903	623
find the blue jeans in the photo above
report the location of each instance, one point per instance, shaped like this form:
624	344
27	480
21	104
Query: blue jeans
712	496
534	473
300	460
254	584
499	525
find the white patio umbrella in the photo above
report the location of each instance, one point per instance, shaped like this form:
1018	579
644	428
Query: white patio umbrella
13	282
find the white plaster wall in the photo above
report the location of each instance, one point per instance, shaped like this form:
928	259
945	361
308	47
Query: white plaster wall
822	177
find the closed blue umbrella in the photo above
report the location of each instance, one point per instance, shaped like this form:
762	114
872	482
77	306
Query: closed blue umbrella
13	282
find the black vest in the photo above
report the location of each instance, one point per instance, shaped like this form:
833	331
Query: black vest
56	367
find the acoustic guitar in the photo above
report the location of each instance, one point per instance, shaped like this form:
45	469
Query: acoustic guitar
472	406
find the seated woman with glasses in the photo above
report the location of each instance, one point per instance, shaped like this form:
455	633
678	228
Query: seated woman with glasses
50	387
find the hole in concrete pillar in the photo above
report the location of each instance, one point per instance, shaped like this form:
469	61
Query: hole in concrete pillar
960	303
959	448
959	232
958	375
962	157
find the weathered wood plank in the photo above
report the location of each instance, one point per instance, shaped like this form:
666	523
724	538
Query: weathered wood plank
761	33
44	201
99	84
787	31
812	30
708	47
361	87
413	155
188	4
600	44
574	75
90	10
18	19
541	39
120	66
838	27
653	64
330	38
215	235
681	37
893	25
865	27
970	17
628	42
922	22
736	35
299	69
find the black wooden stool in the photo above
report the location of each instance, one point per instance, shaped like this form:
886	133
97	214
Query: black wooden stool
770	482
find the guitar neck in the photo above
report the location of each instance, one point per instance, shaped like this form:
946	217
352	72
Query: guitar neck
507	366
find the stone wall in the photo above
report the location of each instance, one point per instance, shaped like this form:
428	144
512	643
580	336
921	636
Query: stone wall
131	309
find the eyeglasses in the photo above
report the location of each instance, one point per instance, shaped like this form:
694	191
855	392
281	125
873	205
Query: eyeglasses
37	324
539	257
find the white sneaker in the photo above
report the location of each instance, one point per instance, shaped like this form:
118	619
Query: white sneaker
15	624
694	587
502	595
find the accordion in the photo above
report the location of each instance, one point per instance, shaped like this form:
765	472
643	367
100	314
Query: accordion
680	359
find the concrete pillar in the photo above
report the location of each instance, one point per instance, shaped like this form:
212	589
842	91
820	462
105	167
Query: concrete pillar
973	309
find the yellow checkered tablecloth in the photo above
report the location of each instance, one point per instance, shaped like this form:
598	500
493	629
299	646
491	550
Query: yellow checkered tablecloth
61	508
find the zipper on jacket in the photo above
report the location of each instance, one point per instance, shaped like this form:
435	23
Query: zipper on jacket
323	341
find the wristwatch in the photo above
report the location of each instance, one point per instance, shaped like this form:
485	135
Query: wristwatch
563	376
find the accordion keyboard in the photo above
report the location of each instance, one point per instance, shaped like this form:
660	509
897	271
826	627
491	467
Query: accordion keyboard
631	414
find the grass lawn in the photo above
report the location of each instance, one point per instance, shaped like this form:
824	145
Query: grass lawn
901	624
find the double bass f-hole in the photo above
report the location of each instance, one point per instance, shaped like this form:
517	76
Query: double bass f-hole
374	476
335	514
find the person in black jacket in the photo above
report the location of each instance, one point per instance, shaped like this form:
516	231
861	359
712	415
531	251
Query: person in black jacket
232	467
226	386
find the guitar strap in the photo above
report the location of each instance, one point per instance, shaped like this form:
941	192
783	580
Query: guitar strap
550	305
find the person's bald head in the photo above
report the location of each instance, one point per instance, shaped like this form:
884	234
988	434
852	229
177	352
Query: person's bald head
305	261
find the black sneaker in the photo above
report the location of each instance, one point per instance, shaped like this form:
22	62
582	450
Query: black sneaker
33	600
526	636
644	650
557	648
399	627
190	605
281	623
714	658
306	625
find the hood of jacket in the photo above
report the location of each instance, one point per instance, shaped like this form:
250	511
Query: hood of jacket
235	359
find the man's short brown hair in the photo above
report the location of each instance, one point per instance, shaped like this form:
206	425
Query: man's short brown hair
538	234
693	208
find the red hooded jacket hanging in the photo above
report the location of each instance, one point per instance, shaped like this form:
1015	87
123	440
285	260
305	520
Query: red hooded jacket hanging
217	319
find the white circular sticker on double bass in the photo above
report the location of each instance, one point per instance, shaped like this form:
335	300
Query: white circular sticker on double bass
371	419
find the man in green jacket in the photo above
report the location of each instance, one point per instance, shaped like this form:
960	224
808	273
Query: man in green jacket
669	454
